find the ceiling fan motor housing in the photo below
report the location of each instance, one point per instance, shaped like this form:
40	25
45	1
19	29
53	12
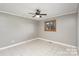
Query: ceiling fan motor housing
38	12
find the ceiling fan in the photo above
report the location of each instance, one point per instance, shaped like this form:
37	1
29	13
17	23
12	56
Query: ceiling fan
38	14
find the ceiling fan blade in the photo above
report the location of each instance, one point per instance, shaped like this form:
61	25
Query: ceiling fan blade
43	14
34	15
31	13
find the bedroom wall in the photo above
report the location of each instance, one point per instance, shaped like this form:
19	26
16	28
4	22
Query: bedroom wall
15	29
65	30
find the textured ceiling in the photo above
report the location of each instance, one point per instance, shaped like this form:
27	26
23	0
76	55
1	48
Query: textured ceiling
52	9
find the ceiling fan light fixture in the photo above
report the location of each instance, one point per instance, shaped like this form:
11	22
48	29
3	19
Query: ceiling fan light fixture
38	16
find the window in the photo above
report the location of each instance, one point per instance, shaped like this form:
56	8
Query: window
50	25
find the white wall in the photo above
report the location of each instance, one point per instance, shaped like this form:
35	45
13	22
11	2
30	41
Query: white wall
14	29
65	30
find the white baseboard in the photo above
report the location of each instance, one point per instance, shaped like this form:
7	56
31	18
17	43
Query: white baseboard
16	44
27	41
60	43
